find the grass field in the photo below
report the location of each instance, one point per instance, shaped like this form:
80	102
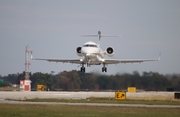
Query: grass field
28	110
17	110
10	89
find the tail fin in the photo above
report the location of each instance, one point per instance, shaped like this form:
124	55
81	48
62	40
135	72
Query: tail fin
159	56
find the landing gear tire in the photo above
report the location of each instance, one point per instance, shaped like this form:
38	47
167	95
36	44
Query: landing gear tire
104	69
82	69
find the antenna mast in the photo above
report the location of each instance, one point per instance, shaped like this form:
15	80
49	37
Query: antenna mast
26	83
27	62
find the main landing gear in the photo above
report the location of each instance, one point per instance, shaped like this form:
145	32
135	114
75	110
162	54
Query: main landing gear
82	68
104	69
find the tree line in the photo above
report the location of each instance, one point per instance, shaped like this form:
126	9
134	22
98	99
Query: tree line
75	81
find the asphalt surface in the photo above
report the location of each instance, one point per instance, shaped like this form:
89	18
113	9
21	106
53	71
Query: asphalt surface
89	104
17	95
20	95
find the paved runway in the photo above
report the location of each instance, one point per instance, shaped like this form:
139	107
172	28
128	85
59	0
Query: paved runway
20	95
90	104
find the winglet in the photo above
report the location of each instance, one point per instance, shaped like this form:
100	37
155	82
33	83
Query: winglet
159	56
31	57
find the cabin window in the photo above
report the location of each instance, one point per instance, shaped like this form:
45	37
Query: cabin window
90	45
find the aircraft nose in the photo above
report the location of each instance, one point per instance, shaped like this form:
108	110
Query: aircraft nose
85	51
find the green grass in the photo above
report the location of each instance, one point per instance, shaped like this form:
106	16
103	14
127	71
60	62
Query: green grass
17	110
10	89
108	100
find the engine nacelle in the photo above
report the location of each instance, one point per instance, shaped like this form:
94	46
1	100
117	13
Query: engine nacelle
110	51
78	51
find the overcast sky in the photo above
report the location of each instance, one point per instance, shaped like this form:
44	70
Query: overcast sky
53	29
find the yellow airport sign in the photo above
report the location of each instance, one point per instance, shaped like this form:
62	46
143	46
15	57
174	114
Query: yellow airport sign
41	87
131	89
120	95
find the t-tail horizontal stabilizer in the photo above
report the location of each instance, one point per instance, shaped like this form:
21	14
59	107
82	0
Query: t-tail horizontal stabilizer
99	35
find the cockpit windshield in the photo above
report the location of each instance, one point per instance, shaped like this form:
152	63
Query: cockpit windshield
90	45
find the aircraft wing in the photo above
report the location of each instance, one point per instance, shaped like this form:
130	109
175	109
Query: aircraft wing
106	61
76	61
116	61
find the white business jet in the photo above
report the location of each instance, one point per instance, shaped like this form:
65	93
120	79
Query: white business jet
92	54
